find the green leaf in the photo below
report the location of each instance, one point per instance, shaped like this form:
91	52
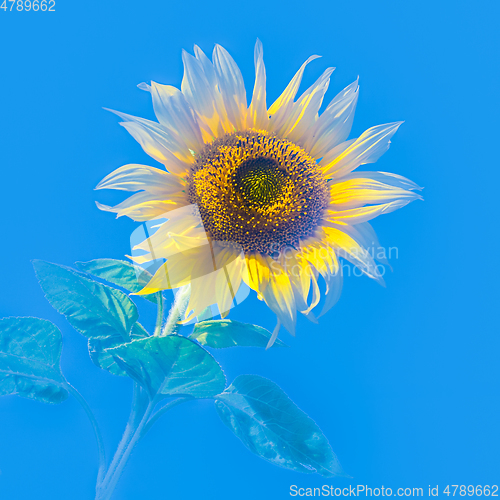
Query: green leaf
171	365
103	359
93	309
30	353
273	427
221	333
120	273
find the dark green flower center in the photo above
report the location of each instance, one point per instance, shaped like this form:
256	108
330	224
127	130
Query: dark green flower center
260	181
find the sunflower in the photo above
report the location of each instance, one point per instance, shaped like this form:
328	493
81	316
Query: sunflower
255	195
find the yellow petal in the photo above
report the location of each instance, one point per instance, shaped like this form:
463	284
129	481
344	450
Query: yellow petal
257	112
368	148
281	107
363	214
257	272
278	295
355	193
351	250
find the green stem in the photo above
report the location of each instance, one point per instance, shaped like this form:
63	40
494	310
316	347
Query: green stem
95	426
139	424
140	408
159	314
140	420
162	412
176	312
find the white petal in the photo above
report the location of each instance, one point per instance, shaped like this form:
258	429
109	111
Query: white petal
174	113
183	231
279	296
257	112
231	86
334	283
357	192
200	92
363	214
281	107
203	286
171	244
305	110
336	152
208	67
348	248
215	284
299	273
365	235
274	336
319	254
176	146
179	270
335	123
209	70
202	290
135	177
156	147
230	263
387	177
141	207
368	148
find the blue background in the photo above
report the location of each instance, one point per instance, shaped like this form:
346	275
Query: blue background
404	381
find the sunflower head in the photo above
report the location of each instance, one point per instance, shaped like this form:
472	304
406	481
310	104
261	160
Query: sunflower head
272	197
257	190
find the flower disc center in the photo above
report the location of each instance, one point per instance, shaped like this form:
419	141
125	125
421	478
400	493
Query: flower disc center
257	190
260	181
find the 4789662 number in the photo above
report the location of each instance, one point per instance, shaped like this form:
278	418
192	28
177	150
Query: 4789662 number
27	5
463	490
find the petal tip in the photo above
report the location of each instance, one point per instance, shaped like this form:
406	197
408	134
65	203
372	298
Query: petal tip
101	206
144	86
